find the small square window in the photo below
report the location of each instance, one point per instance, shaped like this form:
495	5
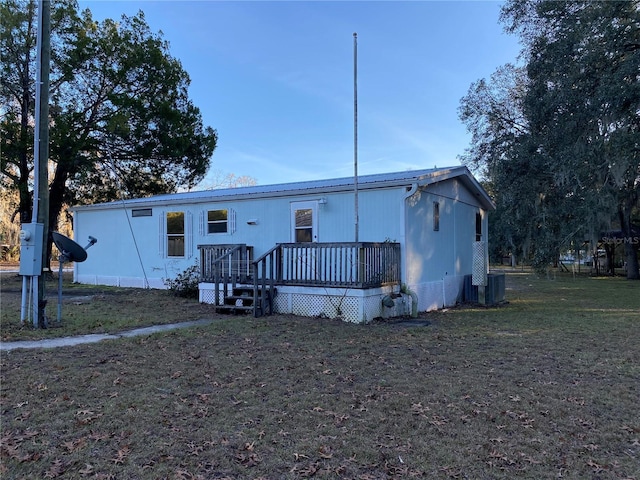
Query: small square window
217	221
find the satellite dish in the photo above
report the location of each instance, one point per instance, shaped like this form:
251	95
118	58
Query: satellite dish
69	249
70	252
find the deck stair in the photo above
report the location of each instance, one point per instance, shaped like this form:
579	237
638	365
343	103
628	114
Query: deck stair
242	301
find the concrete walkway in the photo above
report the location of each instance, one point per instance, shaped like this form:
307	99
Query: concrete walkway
97	337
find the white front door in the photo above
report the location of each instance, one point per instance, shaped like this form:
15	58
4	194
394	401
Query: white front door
304	221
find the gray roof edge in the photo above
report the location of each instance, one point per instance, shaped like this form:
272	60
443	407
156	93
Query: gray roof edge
464	174
472	184
365	182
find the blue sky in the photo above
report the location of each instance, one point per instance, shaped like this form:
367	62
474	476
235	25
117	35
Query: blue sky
275	79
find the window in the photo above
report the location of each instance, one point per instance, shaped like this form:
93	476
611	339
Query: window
217	221
304	221
436	216
213	222
175	234
304	225
478	227
141	212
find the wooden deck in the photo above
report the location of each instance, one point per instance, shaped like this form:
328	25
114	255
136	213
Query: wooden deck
355	265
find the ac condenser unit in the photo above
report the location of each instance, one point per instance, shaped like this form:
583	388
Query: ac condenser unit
493	293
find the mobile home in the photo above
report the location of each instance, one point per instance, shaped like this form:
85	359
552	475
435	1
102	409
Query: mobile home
414	231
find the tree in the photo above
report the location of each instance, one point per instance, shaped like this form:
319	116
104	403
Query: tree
219	179
493	113
9	230
585	116
121	121
579	155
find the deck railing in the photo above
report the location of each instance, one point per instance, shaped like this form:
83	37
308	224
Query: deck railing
345	264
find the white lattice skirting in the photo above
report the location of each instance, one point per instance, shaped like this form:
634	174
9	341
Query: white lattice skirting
355	305
351	305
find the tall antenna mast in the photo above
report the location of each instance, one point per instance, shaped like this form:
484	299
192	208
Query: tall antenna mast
355	130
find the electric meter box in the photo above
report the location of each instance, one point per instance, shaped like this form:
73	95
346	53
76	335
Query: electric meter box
31	241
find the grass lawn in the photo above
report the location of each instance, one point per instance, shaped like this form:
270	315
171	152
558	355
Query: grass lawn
547	386
90	309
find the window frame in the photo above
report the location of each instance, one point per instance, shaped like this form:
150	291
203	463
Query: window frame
173	238
141	212
210	223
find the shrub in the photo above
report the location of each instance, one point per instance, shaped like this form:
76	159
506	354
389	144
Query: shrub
10	253
186	283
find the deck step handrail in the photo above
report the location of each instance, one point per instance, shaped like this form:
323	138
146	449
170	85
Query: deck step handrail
225	266
265	278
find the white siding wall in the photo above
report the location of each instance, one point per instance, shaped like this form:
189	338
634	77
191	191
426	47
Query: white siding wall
436	261
115	259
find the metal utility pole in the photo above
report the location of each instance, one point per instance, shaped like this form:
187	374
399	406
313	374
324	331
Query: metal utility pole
43	146
355	131
34	235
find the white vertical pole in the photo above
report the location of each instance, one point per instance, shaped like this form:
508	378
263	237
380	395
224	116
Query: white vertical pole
36	300
355	131
23	302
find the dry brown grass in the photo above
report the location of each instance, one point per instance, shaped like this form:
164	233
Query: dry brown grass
544	387
93	309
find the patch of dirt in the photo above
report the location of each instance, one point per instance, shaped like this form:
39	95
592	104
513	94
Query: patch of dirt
419	321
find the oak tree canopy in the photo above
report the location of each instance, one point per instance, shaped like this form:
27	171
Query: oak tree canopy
121	121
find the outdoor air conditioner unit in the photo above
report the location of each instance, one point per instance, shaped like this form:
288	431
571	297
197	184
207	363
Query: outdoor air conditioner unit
494	292
470	292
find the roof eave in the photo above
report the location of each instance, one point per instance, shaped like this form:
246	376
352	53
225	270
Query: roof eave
466	177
